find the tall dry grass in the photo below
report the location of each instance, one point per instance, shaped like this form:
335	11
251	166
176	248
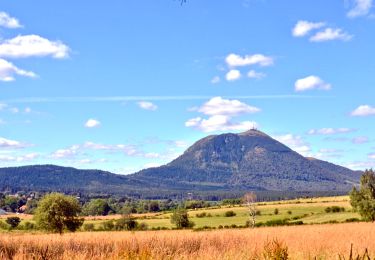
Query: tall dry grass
303	242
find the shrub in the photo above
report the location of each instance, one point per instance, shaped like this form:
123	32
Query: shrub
126	223
180	218
258	213
201	215
334	209
13	222
88	227
108	225
352	220
26	225
289	212
230	213
276	211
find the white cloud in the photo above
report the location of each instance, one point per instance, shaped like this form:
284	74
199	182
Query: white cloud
22	158
66	153
24	46
233	75
220	112
219	123
147	105
12	144
330	131
371	156
361	8
234	60
311	82
220	106
215	80
364	110
9	22
302	28
255	75
330	34
91	123
27	110
295	142
360	140
8	71
358	165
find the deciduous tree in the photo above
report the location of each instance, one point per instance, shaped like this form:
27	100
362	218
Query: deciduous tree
363	200
57	212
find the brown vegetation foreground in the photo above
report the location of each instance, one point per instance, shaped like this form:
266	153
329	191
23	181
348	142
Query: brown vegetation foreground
303	242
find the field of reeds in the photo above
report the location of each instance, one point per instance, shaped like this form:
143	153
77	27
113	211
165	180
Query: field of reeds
330	241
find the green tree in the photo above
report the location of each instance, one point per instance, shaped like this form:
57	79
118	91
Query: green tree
96	207
57	212
13	222
180	218
363	200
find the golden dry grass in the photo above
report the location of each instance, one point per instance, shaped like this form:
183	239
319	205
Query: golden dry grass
304	242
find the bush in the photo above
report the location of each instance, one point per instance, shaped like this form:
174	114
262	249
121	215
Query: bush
201	215
258	213
289	212
352	220
108	225
229	213
13	222
276	211
180	218
88	227
334	209
26	225
126	223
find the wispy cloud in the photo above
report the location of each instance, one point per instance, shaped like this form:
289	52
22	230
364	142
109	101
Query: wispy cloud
330	34
146	105
330	131
12	144
361	8
8	71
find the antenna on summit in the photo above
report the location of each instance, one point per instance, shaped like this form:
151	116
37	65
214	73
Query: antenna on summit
254	127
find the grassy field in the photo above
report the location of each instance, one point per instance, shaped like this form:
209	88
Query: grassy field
310	211
327	241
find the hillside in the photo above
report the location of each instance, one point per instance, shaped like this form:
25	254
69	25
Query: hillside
228	162
250	160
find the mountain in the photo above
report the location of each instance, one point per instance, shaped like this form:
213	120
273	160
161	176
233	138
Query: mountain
250	160
218	163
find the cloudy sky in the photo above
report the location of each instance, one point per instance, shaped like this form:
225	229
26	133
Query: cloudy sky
124	85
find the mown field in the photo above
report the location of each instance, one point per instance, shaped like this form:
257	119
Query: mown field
327	241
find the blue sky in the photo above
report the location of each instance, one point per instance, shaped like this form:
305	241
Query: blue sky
125	85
